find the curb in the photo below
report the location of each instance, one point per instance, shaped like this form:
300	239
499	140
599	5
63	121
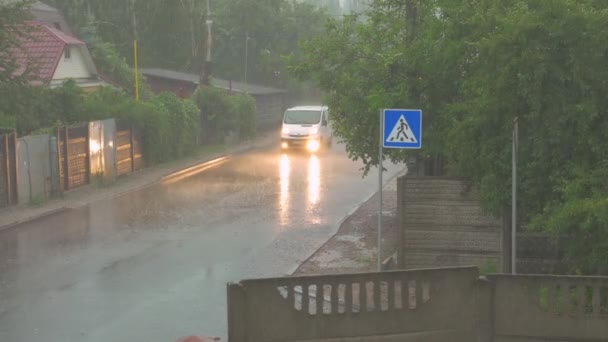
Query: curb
192	170
32	218
216	160
340	223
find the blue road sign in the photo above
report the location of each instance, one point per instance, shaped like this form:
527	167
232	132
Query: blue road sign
402	128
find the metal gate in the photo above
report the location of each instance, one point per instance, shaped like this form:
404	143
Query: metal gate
8	168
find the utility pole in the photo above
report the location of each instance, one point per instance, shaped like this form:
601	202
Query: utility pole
205	74
206	69
380	170
246	59
514	197
135	51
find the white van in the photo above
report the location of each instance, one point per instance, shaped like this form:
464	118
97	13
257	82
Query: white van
306	127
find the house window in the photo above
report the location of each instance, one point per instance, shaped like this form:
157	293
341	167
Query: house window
67	52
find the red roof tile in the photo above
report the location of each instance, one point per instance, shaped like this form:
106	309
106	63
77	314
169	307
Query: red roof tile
41	50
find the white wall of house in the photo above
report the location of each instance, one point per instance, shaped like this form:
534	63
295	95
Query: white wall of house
74	67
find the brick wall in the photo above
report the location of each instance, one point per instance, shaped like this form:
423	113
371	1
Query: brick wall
442	224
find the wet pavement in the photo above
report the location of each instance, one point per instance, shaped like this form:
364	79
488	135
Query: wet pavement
153	265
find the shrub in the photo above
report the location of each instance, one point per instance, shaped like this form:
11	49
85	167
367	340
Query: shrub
243	107
153	121
226	113
182	116
214	103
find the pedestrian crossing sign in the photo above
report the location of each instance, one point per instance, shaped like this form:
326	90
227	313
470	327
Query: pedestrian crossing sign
402	128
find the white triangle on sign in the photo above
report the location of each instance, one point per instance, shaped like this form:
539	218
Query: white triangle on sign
402	133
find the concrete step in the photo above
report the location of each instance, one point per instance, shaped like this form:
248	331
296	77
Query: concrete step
453	241
447	215
415	260
455	228
425	189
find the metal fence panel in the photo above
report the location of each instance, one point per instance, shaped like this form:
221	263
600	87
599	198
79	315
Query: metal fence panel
35	172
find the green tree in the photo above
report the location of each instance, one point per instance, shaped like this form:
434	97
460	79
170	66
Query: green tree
172	34
472	67
14	84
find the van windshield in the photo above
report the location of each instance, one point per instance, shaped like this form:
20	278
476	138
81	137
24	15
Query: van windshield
302	117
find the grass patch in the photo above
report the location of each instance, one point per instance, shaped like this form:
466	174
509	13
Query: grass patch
208	150
488	268
99	181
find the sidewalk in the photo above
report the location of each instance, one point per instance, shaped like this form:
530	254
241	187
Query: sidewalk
354	248
91	193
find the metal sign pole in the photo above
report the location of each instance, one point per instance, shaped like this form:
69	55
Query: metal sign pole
380	167
514	200
401	129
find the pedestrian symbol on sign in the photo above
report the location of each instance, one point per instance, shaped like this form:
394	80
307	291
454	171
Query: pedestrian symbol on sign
402	128
401	132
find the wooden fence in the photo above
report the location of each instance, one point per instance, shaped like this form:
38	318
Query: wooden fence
73	156
128	149
8	168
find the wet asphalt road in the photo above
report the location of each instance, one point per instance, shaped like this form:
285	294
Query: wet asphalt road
153	265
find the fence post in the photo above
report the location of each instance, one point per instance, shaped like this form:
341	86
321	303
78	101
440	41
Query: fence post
401	220
132	150
16	167
506	241
9	193
88	151
59	166
66	143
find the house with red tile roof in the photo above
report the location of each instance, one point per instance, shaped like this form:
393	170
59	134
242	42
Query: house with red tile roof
52	57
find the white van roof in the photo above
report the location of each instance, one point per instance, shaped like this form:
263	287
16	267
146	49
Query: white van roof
308	108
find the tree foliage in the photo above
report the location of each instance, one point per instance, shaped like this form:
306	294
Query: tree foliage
172	33
473	67
228	114
14	86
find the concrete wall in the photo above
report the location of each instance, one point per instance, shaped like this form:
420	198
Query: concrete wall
269	110
442	224
549	308
424	305
35	172
450	304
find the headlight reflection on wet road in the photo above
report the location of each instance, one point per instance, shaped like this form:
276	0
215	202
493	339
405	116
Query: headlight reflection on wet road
314	180
313	195
284	171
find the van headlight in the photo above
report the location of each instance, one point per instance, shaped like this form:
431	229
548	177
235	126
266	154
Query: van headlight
313	145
